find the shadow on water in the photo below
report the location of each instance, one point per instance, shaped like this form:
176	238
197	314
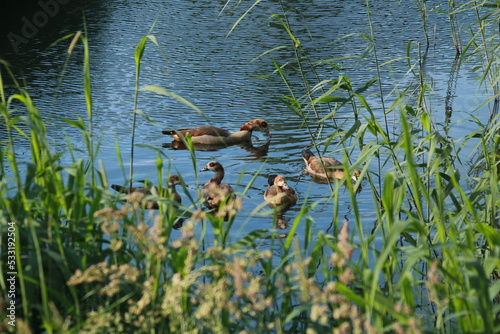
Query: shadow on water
322	180
28	27
451	91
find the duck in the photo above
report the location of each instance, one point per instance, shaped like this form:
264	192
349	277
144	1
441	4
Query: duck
214	191
325	167
210	135
279	194
173	181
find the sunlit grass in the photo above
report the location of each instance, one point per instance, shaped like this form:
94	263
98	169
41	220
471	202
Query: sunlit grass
86	262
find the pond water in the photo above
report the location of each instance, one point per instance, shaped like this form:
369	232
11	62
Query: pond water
200	62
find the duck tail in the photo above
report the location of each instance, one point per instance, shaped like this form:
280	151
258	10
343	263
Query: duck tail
118	188
306	154
270	179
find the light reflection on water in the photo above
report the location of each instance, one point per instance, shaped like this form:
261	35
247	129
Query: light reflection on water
198	62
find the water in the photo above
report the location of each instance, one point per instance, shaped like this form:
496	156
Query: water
220	75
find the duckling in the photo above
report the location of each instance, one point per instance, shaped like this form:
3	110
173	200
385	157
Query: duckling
279	194
331	168
173	180
214	191
211	135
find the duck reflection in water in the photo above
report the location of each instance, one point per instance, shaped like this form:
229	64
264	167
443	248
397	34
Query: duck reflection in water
322	180
281	223
257	152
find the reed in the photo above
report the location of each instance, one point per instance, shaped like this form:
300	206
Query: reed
139	52
88	263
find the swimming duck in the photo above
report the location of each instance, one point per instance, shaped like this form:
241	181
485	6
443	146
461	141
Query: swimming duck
333	167
173	180
211	135
279	194
214	191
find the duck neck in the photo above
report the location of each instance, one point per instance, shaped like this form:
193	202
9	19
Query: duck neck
247	127
242	135
279	189
217	178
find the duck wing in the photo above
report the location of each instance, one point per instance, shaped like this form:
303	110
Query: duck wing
270	193
331	162
328	163
199	131
215	193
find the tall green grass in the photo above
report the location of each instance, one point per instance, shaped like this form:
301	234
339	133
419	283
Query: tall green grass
87	263
427	212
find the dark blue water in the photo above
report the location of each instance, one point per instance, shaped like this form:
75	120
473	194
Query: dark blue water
223	75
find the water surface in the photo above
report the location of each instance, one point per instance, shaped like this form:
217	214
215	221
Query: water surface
220	74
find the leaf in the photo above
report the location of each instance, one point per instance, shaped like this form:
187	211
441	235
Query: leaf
364	103
153	39
387	194
147	117
354	128
249	239
409	109
268	52
366	37
277	25
62	39
329	99
367	85
287	28
241	17
162	91
79	124
424	119
139	50
296	311
480	283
